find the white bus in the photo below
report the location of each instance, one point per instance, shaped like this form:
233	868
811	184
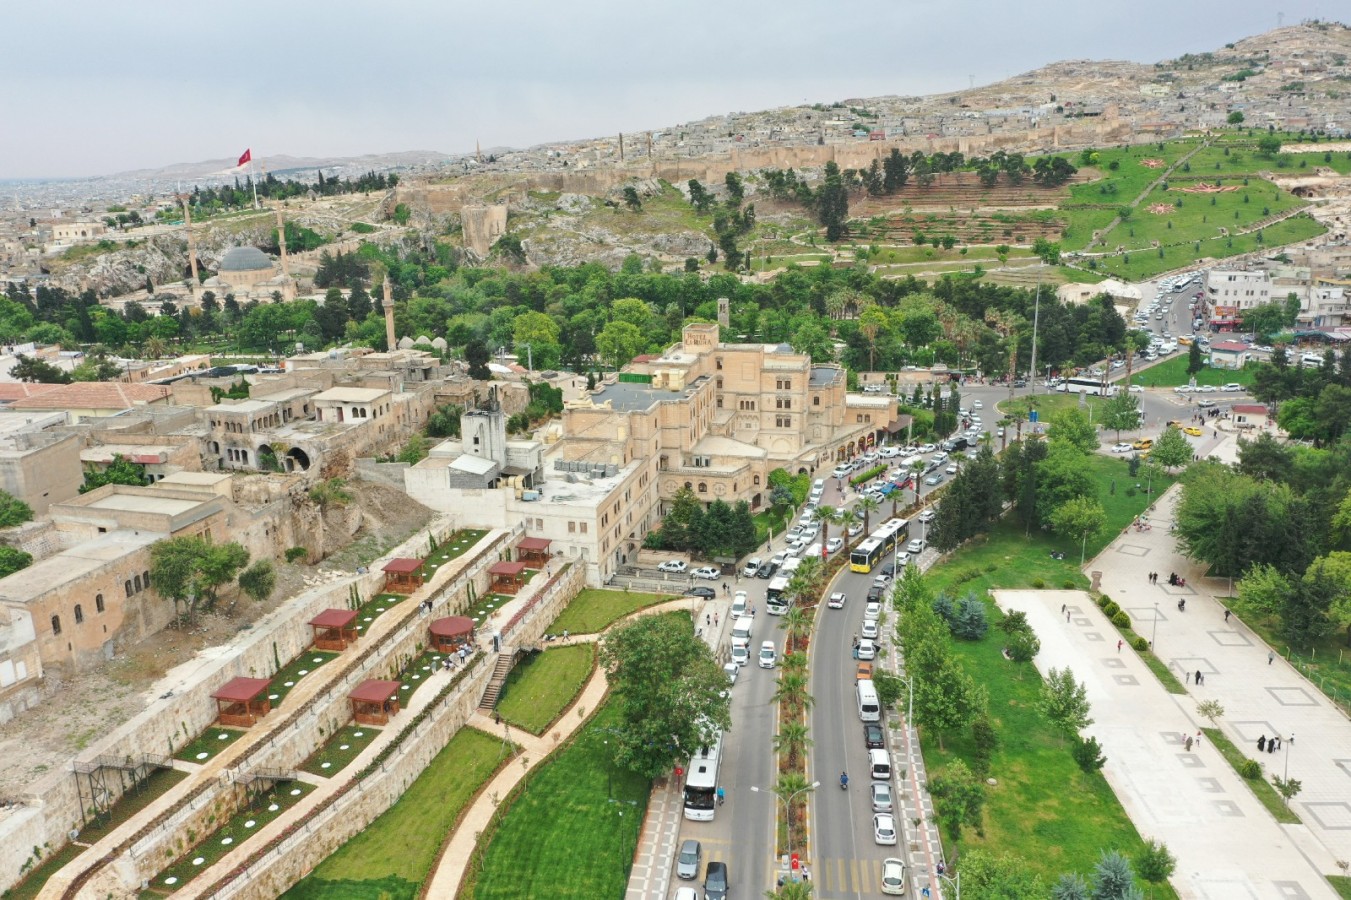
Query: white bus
701	782
777	600
1081	384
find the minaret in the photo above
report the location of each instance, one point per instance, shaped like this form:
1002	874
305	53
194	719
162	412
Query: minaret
281	242
389	317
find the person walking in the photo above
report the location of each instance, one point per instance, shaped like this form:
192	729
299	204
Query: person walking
1227	614
1188	743
1188	678
1271	654
1118	646
722	796
1261	743
1198	676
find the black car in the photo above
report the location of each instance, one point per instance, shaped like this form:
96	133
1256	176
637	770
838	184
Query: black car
706	592
1020	383
875	594
766	569
872	736
889	569
715	881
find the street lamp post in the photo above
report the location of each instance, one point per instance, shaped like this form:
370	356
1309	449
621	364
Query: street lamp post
788	809
1286	776
624	834
956	881
1153	632
910	702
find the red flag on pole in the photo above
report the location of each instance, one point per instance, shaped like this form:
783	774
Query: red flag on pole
248	155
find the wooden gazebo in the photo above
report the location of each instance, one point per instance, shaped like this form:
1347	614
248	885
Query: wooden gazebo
450	633
507	577
242	701
334	629
374	701
403	576
533	551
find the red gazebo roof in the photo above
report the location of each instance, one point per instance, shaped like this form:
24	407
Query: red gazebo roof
506	568
241	689
373	690
334	618
452	626
402	566
535	543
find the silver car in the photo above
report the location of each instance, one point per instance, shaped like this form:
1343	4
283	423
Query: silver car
881	796
687	863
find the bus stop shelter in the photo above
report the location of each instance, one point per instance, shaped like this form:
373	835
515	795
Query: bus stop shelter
242	701
374	701
507	577
403	576
334	629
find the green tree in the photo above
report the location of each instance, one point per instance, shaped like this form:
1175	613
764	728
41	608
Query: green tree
120	471
191	570
700	198
12	560
1080	517
1172	449
671	692
1235	118
1306	615
999	876
1064	702
540	333
631	199
832	203
959	799
1195	361
1121	412
258	580
1060	477
1113	878
792	741
1070	426
1288	788
13	511
619	342
1155	862
34	370
814	341
1071	886
476	355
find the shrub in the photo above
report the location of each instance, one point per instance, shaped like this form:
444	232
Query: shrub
295	553
991	567
1140	644
1250	769
1103	601
1038	583
1121	619
968	574
1088	754
969	622
1110	608
1067	584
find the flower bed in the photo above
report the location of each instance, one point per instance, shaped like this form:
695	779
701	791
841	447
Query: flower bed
339	751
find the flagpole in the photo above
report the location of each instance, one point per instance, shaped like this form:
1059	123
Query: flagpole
253	180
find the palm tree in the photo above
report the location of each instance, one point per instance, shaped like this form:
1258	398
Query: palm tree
788	788
793	662
155	348
804	582
797	623
865	507
792	691
823	516
792	741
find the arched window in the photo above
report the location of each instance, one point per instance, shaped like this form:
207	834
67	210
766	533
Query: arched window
757	480
145	579
127	584
136	583
98	602
703	488
56	624
688	485
79	614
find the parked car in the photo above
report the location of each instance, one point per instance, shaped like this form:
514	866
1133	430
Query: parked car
834	544
706	593
1232	386
927	448
869	630
768	655
732	670
741	654
872	610
867	650
893	877
707	572
873	737
837	600
916	546
927	515
934	480
855	529
752	566
687	862
875	593
716	881
881	792
686	893
864	671
881	580
767	569
674	566
1123	447
884	829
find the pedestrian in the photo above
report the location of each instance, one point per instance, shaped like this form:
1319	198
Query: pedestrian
1067	616
1188	743
1063	607
715	620
1271	746
708	618
1118	646
752	610
1198	676
1227	614
1198	737
497	719
1188	679
1271	654
1262	743
722	796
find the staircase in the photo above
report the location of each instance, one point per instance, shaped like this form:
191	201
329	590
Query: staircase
500	672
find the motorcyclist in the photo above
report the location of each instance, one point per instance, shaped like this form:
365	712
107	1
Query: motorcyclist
844	779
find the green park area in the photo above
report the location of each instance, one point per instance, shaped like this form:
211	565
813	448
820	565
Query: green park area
542	685
1046	809
1175	215
374	608
1143	264
569	829
391	858
1172	372
594	610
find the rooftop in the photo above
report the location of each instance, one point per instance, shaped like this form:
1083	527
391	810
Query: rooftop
625	396
824	375
244	259
351	395
144	503
69	566
95	395
243	406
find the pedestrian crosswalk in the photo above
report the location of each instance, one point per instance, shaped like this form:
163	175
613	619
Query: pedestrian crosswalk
846	877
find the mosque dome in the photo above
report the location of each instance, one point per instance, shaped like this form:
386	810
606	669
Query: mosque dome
244	259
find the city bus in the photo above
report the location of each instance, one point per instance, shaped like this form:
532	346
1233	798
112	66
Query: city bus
881	542
777	600
1085	384
701	782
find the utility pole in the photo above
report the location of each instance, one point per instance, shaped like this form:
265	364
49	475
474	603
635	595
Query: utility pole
1036	318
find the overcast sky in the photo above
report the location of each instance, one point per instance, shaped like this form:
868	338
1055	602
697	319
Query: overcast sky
92	87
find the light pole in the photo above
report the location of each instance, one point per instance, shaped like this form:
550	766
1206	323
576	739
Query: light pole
624	834
956	881
910	703
1286	776
1153	632
788	809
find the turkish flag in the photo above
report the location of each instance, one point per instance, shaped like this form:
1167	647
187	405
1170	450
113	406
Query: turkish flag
248	155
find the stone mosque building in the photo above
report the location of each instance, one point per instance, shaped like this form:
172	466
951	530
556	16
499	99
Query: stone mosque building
250	274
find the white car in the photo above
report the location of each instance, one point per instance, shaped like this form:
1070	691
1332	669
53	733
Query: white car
712	573
855	530
889	452
1232	387
893	877
834	544
867	650
795	532
732	670
915	547
884	829
976	404
1122	447
927	515
675	566
1136	389
952	469
768	656
927	448
741	654
836	600
881	796
872	610
869	630
689	893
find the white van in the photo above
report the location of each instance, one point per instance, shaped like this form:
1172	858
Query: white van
812	552
818	488
741	629
739	604
879	765
869	709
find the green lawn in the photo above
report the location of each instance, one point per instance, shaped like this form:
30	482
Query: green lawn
593	610
1201	216
452	547
417	673
766	519
487	605
1262	788
375	607
1045	809
390	858
1083	221
1122	186
570	831
1172	372
290	674
261	809
32	883
207	744
542	685
339	750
